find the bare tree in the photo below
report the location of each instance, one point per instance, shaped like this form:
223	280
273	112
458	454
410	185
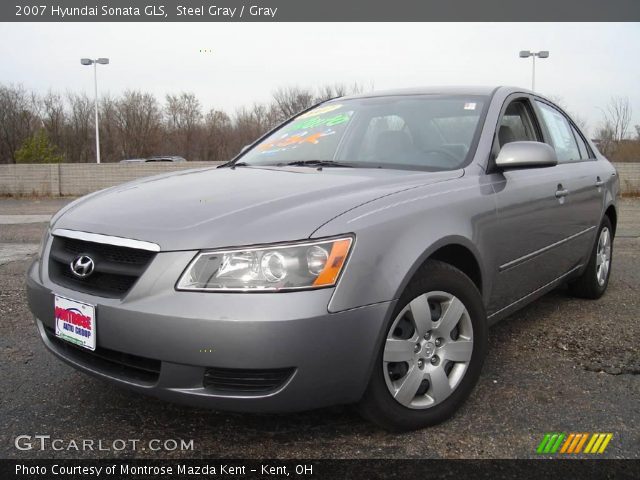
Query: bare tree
217	138
138	121
618	116
327	92
606	139
291	100
54	116
134	124
110	144
184	116
183	111
79	131
249	124
17	120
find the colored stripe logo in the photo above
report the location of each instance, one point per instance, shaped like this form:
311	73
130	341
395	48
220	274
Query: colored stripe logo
573	443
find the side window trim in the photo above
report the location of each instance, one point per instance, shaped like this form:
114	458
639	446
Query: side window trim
580	141
576	131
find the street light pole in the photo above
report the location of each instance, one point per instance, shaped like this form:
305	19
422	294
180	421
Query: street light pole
533	55
95	84
102	61
533	77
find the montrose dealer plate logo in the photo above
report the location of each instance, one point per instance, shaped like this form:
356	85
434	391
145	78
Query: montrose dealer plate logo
75	322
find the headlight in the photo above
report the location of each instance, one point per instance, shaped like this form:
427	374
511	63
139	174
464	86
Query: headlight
296	266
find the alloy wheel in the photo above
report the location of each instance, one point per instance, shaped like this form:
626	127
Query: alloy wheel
428	350
603	256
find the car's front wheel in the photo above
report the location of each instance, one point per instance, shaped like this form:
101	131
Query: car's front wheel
432	352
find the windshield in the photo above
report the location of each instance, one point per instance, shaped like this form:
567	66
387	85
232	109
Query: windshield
429	132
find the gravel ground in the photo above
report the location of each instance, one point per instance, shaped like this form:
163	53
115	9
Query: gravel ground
561	364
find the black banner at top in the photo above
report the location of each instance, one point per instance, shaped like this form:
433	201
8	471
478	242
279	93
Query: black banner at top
319	11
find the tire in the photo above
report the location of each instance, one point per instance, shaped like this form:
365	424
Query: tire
593	282
388	400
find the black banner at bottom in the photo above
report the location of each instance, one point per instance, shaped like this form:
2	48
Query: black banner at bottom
312	469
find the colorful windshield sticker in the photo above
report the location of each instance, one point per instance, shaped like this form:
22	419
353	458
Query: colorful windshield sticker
319	111
320	121
287	141
305	131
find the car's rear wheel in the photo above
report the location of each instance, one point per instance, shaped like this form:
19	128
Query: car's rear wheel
432	351
594	280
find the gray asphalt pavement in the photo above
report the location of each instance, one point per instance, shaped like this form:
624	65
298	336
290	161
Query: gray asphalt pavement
559	365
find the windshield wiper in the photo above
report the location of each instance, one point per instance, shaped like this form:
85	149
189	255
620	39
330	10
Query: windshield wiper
317	163
234	165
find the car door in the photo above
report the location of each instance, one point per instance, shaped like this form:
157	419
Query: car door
583	181
532	218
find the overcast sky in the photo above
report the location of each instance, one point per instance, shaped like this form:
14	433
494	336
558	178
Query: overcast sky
588	64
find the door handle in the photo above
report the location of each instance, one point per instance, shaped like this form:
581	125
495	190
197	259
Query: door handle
562	193
599	182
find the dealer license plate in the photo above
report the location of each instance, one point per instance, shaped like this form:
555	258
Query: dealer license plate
75	322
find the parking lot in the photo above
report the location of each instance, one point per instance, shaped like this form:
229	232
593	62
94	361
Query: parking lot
559	365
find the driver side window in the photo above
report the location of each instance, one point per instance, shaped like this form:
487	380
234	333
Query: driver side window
516	124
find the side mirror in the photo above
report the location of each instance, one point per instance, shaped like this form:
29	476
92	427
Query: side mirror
526	155
245	148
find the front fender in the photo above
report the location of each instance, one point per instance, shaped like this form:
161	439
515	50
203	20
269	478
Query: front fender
395	235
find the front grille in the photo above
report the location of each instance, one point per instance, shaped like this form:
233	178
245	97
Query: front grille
245	380
116	268
124	365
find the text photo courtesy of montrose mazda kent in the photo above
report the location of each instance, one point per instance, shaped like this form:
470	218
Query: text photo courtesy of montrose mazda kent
354	255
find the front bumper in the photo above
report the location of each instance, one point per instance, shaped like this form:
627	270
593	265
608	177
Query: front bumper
185	333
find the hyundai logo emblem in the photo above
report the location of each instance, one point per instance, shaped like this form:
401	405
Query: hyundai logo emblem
82	266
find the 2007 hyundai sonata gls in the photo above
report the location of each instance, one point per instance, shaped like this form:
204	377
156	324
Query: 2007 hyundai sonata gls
355	254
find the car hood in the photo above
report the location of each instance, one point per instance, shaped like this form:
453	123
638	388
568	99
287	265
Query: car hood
224	207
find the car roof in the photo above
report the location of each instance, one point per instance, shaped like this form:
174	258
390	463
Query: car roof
439	90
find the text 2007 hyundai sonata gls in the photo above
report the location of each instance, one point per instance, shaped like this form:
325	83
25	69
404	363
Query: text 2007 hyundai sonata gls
355	254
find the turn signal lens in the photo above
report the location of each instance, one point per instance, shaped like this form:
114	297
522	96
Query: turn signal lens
337	258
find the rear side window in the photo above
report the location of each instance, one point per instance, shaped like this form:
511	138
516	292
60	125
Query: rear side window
561	133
